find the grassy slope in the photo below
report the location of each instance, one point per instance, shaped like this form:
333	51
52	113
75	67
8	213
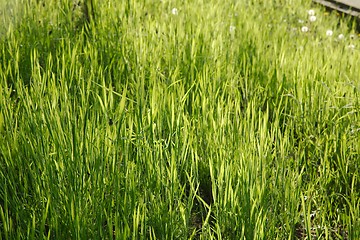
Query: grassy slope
154	125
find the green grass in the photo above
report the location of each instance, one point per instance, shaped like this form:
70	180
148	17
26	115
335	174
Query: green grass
152	125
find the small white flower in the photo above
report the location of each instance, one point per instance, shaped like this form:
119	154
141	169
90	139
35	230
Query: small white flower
341	36
311	12
329	33
351	46
312	18
232	29
300	21
304	29
175	11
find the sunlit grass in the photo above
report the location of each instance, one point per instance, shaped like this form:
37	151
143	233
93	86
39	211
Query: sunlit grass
174	120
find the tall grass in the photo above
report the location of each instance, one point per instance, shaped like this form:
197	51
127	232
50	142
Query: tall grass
217	120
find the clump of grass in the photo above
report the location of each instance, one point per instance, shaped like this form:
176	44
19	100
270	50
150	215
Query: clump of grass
209	122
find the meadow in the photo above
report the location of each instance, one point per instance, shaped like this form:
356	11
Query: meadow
179	119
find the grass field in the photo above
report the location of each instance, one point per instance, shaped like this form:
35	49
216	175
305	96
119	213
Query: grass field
179	120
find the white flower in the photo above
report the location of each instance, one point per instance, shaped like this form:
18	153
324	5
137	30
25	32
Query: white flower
341	36
351	46
311	12
312	18
300	21
329	33
304	29
232	29
174	11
